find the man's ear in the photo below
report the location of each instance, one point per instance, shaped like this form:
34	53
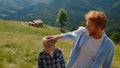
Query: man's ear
99	27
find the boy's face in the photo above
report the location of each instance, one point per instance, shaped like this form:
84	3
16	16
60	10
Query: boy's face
50	45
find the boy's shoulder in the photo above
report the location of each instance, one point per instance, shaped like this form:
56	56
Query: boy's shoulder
58	50
42	51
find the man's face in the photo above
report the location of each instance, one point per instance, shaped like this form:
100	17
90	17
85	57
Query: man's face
91	28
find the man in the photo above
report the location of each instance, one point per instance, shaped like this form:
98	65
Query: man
92	47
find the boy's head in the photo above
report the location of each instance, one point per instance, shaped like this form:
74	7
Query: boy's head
48	43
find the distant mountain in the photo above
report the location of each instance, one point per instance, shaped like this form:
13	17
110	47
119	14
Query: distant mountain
47	10
9	7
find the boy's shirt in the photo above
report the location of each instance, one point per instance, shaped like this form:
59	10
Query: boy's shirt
45	60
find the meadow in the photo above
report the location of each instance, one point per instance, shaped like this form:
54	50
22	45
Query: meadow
20	44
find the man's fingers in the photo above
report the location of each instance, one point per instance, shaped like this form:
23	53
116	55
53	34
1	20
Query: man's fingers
51	38
48	37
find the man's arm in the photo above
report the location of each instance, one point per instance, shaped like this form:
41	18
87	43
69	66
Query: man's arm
68	35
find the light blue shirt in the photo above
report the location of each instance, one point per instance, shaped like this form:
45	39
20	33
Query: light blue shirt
104	54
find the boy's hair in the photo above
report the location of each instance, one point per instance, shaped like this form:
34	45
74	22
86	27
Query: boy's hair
47	43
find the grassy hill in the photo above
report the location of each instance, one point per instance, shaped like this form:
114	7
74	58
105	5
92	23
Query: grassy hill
20	44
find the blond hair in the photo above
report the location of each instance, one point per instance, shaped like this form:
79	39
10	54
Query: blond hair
98	17
47	43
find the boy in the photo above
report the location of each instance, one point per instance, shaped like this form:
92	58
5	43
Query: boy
50	56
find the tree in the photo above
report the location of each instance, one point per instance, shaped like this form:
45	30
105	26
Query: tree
62	17
83	24
115	37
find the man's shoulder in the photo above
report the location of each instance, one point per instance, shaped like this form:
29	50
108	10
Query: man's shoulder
110	42
81	28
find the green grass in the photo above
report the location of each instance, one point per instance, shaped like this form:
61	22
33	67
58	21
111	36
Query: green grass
20	44
116	59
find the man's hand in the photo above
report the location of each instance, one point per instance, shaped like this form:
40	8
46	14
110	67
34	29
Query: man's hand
54	37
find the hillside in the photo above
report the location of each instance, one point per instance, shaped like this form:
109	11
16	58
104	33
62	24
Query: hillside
47	10
20	44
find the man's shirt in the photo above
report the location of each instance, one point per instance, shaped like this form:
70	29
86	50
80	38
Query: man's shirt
87	51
